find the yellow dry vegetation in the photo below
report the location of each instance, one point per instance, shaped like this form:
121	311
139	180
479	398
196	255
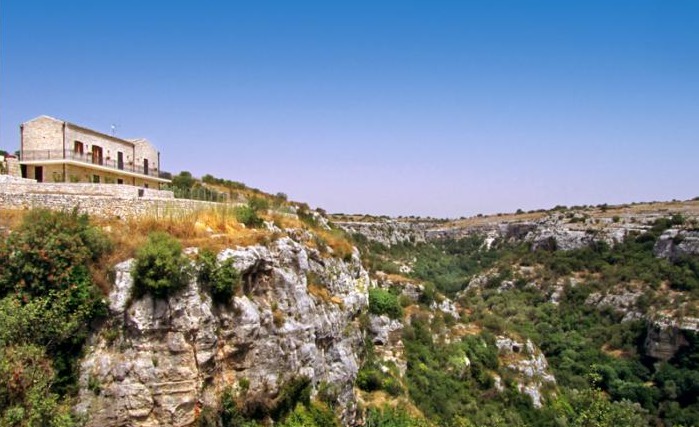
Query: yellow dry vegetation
381	399
319	292
615	353
337	241
11	218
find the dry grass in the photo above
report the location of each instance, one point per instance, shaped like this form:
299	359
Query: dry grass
319	292
11	218
396	279
381	399
615	353
337	241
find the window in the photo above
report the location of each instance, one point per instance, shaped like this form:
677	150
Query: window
120	181
79	148
96	179
145	166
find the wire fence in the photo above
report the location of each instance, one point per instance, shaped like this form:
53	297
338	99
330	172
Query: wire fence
200	193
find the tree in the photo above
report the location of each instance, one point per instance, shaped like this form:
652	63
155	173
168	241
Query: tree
160	267
184	180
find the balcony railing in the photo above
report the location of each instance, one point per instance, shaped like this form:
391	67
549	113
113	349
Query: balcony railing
38	155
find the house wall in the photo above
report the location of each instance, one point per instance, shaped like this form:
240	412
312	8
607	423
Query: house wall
46	133
145	150
110	146
42	133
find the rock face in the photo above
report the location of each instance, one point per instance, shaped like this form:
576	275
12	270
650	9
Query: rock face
551	232
666	336
173	356
388	232
675	244
531	365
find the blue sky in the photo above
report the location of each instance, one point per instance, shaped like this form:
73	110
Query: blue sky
441	108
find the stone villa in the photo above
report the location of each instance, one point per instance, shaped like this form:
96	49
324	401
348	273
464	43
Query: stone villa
54	150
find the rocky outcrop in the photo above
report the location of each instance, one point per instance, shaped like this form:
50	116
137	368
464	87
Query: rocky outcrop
620	300
551	232
162	360
388	232
666	336
675	244
530	364
386	335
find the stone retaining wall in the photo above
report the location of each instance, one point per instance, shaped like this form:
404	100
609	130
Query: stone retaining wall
108	206
11	185
105	200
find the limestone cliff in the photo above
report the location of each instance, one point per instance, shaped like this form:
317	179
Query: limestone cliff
161	360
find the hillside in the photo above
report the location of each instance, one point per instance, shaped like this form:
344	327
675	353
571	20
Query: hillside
593	310
264	311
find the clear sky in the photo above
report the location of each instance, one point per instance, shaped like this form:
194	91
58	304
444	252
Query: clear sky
440	108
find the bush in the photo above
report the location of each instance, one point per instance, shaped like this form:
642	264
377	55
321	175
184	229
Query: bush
384	302
47	303
160	267
46	250
247	215
26	398
221	278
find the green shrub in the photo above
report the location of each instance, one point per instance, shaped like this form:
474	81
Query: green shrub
248	215
295	391
258	204
312	415
160	267
47	303
221	278
46	250
26	398
384	302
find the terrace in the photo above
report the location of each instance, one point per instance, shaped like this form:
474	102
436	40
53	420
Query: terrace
98	161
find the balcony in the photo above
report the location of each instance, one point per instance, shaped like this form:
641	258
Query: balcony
89	159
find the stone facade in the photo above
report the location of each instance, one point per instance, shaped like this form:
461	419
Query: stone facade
53	150
105	200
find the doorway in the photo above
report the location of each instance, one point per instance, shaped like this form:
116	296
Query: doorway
96	155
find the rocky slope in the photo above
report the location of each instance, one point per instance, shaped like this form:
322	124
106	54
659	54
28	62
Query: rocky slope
161	361
564	229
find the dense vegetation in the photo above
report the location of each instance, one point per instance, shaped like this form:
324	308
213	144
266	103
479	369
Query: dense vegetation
604	376
48	301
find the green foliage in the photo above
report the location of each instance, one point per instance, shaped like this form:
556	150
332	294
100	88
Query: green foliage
160	266
47	302
371	378
258	204
247	214
592	408
184	180
293	392
221	278
231	185
384	302
450	264
229	412
578	339
46	250
310	415
392	417
26	398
